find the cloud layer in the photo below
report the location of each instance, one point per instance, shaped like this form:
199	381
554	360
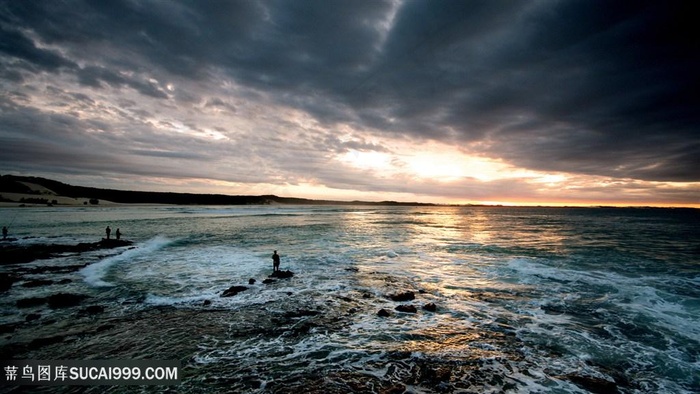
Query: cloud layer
273	95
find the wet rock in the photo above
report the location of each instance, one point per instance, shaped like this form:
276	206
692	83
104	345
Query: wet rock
301	313
65	300
251	281
6	281
395	389
206	303
7	328
109	243
105	327
383	313
60	300
435	376
552	309
32	317
430	307
593	384
301	329
39	343
19	254
499	326
37	283
92	310
30	302
281	274
268	281
61	269
407	309
401	297
256	384
233	290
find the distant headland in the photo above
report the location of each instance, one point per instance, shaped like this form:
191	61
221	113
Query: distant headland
33	191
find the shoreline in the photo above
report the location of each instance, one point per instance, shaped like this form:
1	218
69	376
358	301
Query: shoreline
12	253
35	188
87	325
58	320
55	320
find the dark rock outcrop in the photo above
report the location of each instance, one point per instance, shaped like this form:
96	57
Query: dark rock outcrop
32	317
407	309
65	300
60	300
18	254
395	389
39	343
7	328
383	313
430	307
401	297
251	281
233	290
92	310
593	384
6	281
59	269
281	274
30	302
37	283
301	313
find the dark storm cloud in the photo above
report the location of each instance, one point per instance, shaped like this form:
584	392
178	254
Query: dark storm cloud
97	76
15	44
591	87
597	88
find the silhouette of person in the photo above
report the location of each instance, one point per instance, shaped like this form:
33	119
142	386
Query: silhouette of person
275	262
118	233
108	231
4	232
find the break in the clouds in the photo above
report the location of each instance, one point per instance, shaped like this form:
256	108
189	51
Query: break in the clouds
464	101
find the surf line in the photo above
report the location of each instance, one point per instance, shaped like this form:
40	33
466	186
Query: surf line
94	273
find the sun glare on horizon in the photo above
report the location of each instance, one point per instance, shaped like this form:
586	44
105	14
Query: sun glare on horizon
430	162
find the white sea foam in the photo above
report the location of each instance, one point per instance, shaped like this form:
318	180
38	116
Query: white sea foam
94	273
637	294
152	299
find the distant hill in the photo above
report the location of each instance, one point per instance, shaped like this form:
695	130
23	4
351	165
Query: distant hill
26	185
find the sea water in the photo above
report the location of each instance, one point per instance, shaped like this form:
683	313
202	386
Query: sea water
528	299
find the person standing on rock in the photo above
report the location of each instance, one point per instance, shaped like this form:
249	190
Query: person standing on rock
108	231
4	232
275	262
118	234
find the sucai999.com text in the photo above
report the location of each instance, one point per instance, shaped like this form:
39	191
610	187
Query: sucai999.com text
96	372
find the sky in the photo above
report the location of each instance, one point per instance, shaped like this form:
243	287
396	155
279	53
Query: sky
498	102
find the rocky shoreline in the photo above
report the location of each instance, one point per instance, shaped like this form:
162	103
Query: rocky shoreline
15	255
81	326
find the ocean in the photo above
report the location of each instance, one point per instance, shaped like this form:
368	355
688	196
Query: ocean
526	300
